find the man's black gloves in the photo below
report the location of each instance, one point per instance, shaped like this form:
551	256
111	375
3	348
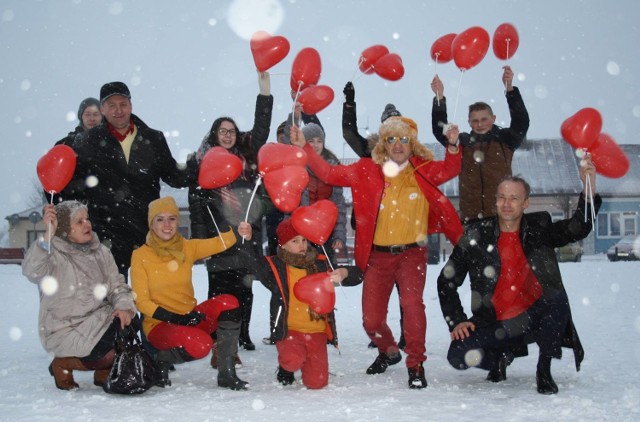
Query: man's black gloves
349	92
190	319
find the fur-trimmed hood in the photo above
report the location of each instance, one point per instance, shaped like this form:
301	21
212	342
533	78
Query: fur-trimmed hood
398	126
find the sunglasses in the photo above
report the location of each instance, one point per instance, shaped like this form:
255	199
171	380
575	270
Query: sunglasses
391	140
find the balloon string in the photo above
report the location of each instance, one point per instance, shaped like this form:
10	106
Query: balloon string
328	260
505	83
49	225
435	71
589	189
455	109
253	195
295	100
360	61
216	226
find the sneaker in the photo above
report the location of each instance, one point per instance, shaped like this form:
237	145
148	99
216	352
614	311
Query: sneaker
416	377
285	377
382	362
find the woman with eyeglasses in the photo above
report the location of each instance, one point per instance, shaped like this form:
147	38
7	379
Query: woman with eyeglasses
227	272
397	203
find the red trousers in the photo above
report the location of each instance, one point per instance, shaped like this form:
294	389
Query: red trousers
307	352
196	340
409	271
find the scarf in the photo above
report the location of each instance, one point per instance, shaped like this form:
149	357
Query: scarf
172	248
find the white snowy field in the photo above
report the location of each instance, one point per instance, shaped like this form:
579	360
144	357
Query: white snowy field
605	300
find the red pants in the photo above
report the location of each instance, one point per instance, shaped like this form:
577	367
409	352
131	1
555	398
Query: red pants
307	352
196	340
409	271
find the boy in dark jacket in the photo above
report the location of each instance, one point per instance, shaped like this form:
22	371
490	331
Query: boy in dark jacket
301	334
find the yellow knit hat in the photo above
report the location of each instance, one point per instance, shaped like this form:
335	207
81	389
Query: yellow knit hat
162	205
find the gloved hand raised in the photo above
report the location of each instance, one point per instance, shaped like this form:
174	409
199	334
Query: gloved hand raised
192	318
349	92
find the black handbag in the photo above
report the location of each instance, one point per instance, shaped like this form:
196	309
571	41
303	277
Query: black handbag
134	371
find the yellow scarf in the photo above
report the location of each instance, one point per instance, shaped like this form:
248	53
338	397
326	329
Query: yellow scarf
171	248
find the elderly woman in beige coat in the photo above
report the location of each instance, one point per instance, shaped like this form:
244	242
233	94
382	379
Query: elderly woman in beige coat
81	294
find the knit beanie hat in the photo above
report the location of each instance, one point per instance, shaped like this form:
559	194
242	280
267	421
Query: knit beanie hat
389	111
114	88
162	205
312	130
285	232
87	102
65	211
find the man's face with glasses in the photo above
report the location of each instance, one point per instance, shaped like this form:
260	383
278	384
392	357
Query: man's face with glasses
227	135
398	148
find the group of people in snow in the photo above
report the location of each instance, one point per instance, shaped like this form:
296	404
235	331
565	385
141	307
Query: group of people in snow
110	226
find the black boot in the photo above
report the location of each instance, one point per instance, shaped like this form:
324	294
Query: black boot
546	384
285	377
416	377
227	345
166	359
382	362
498	371
246	305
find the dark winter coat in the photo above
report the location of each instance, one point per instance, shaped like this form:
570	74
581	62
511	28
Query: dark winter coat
203	201
119	203
477	255
357	142
486	158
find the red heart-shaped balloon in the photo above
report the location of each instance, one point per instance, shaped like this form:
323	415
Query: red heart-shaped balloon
315	98
389	67
317	291
55	169
218	168
582	129
609	159
305	69
285	186
316	221
505	41
268	50
370	56
272	156
441	51
470	47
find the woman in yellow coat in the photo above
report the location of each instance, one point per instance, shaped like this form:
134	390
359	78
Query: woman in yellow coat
174	323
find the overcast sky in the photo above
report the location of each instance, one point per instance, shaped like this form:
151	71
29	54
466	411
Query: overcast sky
188	63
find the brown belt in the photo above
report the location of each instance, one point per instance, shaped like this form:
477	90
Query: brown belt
395	249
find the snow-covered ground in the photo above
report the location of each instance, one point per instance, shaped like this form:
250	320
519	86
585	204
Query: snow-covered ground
605	300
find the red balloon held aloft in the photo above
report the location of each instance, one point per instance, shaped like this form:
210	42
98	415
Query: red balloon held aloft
370	56
285	186
317	291
470	47
582	129
609	159
390	67
441	51
305	69
268	50
505	41
218	168
274	156
316	221
315	98
55	169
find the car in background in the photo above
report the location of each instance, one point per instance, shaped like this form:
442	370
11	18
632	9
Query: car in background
571	252
626	249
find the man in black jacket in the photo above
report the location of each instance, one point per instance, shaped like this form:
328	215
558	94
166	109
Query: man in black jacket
119	167
517	291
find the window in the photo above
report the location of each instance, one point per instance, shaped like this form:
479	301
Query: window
617	224
557	216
